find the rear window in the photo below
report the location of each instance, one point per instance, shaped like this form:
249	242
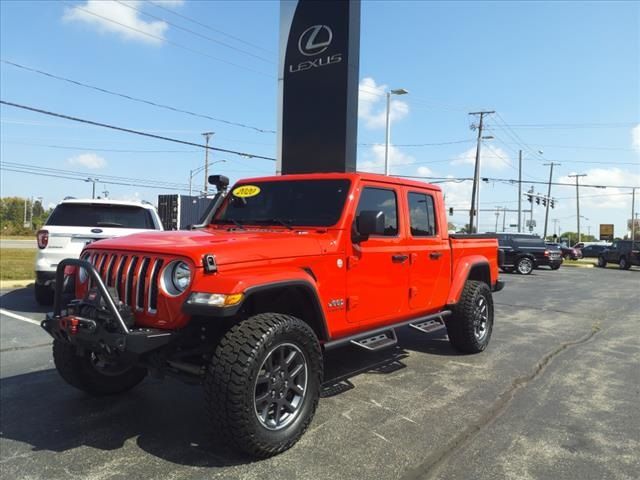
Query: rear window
100	215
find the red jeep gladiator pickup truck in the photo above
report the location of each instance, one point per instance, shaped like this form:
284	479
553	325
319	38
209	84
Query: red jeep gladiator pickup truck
285	268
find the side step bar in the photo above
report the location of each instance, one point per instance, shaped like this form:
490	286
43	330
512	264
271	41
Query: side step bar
359	337
428	326
378	341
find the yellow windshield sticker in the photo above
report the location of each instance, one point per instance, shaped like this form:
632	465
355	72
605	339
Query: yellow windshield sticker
246	191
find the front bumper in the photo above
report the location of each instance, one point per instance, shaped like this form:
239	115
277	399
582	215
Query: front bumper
499	285
95	334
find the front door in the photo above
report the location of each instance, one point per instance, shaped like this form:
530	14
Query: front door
378	273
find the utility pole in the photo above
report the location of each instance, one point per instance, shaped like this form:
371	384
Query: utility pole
207	136
555	226
531	211
476	174
546	213
633	214
497	217
504	219
577	177
519	191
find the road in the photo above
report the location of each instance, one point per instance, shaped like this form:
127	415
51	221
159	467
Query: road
555	396
8	243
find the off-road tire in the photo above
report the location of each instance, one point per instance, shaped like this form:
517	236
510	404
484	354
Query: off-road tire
79	372
624	263
43	294
461	325
230	382
602	263
525	266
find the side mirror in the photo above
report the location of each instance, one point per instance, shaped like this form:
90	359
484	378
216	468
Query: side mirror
369	222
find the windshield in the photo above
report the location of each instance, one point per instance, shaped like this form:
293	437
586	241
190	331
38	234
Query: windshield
100	215
315	203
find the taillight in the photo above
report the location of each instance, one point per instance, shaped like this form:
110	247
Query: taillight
546	253
43	238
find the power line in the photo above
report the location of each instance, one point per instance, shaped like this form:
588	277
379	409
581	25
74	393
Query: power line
196	22
572	125
134	99
170	42
38	168
188	30
419	144
135	132
94	149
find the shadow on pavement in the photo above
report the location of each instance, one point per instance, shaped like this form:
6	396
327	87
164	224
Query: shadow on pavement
22	301
166	418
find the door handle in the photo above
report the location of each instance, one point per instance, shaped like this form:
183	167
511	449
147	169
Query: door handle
401	258
435	255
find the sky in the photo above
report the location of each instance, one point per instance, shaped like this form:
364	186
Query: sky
563	78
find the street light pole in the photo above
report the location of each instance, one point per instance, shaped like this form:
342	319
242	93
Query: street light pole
398	91
546	213
633	214
519	191
207	136
577	177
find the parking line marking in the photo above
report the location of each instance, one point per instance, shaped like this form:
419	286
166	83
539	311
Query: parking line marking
18	317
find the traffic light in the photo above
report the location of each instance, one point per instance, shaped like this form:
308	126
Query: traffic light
529	198
544	202
450	210
537	200
551	203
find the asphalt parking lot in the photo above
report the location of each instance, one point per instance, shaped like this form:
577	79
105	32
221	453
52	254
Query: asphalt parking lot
555	396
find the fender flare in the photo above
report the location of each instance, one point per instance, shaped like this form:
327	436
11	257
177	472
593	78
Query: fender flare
462	274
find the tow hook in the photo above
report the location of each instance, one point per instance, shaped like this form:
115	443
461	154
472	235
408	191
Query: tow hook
73	324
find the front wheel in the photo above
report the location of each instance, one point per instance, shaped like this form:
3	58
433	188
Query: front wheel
93	373
624	263
524	266
470	327
263	385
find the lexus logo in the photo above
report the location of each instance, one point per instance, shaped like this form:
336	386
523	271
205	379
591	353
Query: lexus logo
315	40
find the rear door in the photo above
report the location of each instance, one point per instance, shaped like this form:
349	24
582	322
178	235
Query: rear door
429	253
378	272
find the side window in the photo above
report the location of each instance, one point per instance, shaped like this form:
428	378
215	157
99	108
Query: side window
379	199
421	215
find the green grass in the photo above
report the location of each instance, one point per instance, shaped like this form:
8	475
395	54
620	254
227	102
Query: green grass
18	237
17	263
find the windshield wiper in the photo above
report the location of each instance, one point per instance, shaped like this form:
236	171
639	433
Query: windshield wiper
109	224
284	223
230	220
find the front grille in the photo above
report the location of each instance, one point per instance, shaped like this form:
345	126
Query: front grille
135	278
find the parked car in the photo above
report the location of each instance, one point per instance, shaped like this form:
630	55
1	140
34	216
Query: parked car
286	267
524	252
568	253
75	223
623	252
593	251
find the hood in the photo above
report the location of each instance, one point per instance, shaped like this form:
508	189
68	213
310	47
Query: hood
228	246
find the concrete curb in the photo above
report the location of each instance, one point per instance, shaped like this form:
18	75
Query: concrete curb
4	284
578	265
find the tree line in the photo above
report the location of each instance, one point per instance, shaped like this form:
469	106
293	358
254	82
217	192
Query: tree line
21	216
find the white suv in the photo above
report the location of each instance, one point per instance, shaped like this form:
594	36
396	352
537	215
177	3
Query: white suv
74	223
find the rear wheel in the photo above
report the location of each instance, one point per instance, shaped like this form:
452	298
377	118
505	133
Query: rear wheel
471	325
43	294
263	384
602	262
555	266
93	373
524	266
624	263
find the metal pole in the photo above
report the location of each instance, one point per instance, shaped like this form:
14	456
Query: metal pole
504	219
577	177
207	136
387	136
633	214
546	213
93	188
24	222
519	191
497	217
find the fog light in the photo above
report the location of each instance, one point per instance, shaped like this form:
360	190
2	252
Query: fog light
215	299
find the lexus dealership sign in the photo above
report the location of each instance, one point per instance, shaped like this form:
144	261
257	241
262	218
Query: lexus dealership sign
318	86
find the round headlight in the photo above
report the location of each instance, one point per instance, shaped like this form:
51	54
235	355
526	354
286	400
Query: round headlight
181	276
175	278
